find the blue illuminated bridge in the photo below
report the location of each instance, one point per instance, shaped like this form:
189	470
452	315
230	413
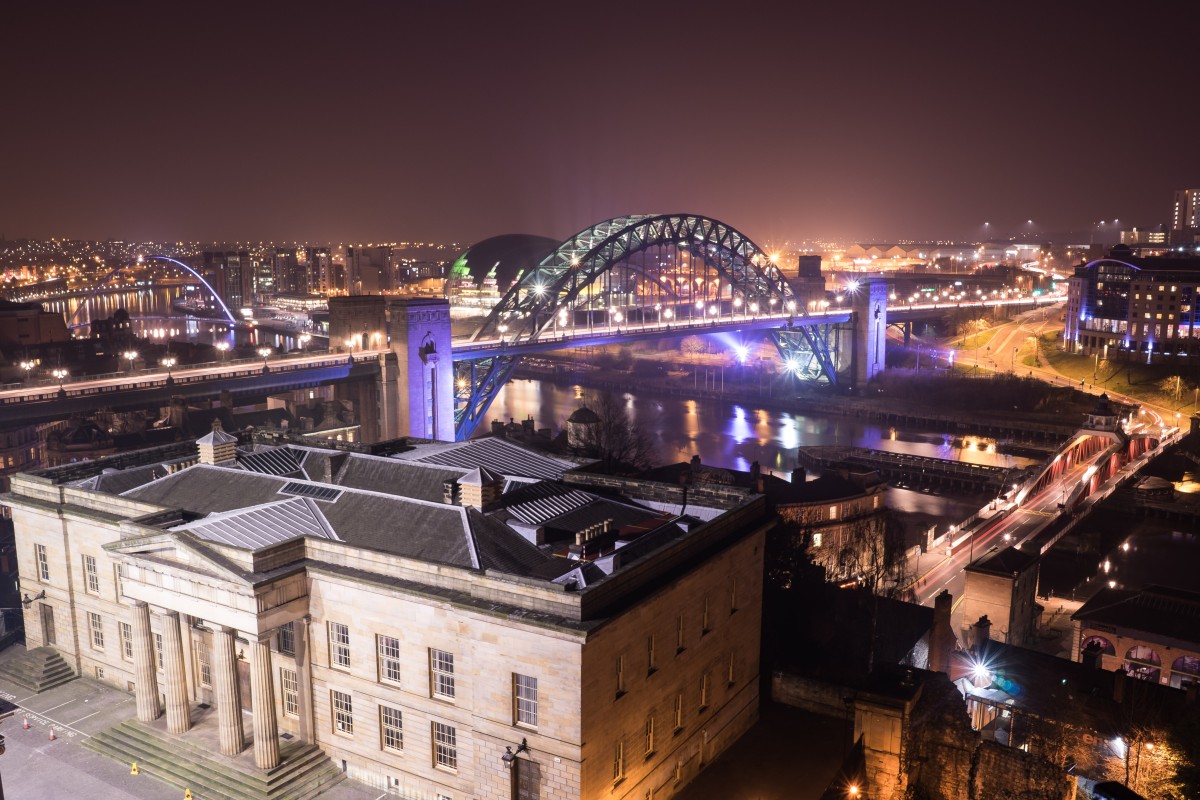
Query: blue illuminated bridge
621	280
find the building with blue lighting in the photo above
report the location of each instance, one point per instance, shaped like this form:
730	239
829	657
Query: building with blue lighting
1125	304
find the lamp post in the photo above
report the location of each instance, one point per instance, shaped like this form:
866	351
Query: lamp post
28	367
304	340
168	362
131	355
224	348
62	375
265	352
503	329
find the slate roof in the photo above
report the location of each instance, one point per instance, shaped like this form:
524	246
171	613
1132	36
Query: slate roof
273	461
499	455
1173	613
216	437
118	481
392	476
261	526
428	531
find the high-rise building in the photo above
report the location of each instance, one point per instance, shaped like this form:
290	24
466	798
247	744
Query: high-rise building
231	274
320	270
369	269
291	270
1185	217
1186	211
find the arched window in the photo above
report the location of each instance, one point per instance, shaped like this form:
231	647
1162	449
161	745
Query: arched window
1185	670
1142	662
1106	647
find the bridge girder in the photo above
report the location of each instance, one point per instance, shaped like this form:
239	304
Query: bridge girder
557	285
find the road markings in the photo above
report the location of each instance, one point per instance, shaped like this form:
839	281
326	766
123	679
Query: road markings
48	710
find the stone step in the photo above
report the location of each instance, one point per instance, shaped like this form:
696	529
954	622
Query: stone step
37	670
304	774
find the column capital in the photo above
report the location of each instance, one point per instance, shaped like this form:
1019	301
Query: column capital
169	613
139	604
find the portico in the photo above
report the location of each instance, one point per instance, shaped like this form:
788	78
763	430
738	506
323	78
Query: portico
216	617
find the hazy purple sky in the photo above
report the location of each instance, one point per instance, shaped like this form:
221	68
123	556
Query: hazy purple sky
405	121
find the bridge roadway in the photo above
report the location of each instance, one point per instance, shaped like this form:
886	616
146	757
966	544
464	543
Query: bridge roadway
579	336
1012	525
47	399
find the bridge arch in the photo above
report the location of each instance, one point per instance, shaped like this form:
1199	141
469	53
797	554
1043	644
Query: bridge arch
564	280
100	287
638	262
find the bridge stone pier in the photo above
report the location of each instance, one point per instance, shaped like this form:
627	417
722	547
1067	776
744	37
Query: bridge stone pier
420	338
870	331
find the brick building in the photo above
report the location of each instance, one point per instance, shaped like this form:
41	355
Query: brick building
437	630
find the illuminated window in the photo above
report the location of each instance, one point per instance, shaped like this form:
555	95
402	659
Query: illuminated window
833	512
816	539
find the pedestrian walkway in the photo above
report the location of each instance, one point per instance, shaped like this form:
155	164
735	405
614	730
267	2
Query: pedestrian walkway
36	766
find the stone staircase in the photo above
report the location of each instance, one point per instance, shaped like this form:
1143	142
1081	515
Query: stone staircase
304	770
36	670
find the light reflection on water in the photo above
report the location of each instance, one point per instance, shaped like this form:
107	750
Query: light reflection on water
734	435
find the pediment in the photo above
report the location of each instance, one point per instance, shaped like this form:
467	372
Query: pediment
177	548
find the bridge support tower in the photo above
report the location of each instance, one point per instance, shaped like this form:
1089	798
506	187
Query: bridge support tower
420	333
870	331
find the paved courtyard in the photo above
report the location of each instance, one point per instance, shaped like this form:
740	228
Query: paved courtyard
33	766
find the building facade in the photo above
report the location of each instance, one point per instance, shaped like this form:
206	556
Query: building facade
468	635
1122	306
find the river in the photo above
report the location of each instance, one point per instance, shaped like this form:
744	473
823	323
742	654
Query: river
153	317
733	435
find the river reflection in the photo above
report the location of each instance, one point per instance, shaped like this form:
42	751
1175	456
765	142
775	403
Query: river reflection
152	317
734	435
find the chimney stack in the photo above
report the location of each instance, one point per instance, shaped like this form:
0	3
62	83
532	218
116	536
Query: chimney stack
983	630
941	636
1119	678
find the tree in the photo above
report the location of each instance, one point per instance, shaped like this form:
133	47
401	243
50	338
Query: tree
692	346
620	444
1174	386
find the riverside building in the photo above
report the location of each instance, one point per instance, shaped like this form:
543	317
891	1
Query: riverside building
454	623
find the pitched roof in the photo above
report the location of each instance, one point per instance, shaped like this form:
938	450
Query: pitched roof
1173	613
260	526
499	455
216	437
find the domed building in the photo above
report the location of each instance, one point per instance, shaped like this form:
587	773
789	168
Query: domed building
485	271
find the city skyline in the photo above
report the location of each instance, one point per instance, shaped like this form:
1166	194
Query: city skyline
869	125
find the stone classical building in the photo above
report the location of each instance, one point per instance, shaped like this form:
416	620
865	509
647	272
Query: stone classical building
437	629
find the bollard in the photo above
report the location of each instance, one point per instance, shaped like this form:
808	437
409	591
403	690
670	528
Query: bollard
134	770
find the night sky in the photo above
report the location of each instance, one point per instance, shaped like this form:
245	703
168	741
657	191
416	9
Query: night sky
401	121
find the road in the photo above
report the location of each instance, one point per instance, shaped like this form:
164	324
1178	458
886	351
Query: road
1010	526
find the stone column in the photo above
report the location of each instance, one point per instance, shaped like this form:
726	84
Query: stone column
262	699
303	638
179	710
225	683
145	663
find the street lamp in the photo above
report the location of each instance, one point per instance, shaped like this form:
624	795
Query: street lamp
28	367
168	363
265	352
224	348
132	356
304	340
62	375
510	755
